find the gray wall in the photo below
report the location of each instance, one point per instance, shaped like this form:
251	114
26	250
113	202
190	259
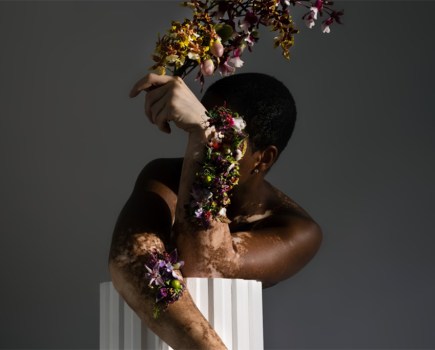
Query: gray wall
361	162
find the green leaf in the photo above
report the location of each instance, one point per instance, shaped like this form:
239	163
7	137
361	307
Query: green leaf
225	31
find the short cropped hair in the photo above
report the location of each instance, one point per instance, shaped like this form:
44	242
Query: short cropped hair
265	103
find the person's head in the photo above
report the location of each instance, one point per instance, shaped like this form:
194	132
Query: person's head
268	108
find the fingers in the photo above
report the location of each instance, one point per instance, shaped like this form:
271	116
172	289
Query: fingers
155	96
160	90
149	82
159	116
157	108
161	120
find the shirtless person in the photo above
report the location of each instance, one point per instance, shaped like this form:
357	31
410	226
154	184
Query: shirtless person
269	238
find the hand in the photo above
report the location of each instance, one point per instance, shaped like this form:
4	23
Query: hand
169	99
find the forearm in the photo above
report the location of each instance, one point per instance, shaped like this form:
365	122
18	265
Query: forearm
207	252
182	325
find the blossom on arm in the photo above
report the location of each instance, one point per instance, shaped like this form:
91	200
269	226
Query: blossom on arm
167	286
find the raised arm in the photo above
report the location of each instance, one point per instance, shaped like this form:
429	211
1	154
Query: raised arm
146	221
271	250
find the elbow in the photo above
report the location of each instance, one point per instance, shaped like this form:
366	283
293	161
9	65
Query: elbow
310	241
316	234
119	279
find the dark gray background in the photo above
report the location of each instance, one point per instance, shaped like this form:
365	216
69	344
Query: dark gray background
361	162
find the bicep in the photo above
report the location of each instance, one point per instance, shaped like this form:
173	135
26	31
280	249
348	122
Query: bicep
146	211
145	221
273	254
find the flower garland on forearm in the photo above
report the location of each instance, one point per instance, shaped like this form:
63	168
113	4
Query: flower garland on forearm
220	30
164	282
219	168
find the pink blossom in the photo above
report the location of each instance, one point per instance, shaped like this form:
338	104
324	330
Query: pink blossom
319	5
226	69
250	40
217	49
207	67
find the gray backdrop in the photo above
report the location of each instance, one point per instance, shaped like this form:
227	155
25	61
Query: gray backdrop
361	162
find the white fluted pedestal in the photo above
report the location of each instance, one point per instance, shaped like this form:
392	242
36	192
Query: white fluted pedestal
234	308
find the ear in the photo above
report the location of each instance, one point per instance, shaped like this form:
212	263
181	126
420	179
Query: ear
268	157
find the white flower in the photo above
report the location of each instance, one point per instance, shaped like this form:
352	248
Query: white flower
171	58
193	56
236	62
325	28
239	154
311	16
223	212
245	26
314	11
309	22
239	124
226	69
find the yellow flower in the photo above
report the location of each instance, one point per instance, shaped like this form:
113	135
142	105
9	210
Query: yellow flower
161	70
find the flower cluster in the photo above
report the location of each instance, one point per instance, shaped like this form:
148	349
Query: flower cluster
317	8
220	30
219	170
166	285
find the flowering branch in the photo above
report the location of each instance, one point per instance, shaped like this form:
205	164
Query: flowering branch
219	32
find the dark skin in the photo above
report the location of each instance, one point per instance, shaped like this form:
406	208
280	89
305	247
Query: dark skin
269	238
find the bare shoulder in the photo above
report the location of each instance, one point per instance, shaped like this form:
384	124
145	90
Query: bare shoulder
300	223
149	211
277	244
166	171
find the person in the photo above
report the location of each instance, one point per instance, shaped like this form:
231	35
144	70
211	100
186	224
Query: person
269	237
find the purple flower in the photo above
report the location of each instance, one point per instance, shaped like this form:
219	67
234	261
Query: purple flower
154	275
162	294
198	212
249	20
200	194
